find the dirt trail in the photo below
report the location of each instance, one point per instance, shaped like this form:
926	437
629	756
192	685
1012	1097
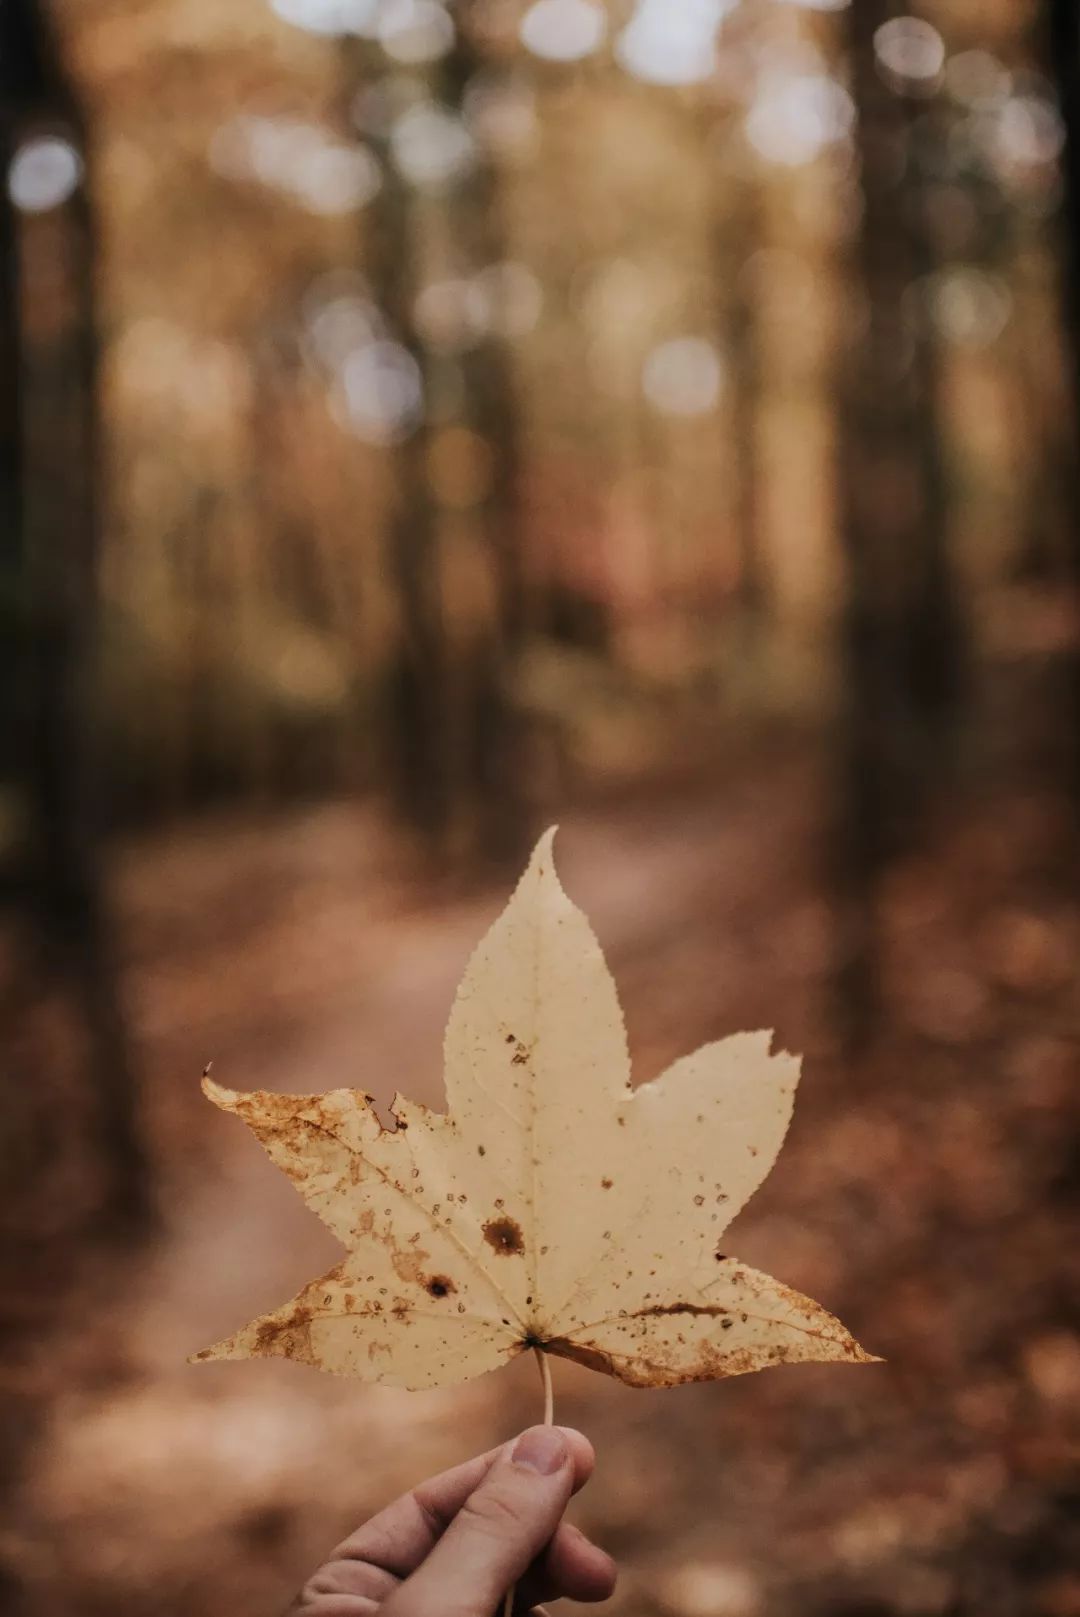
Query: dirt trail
921	1195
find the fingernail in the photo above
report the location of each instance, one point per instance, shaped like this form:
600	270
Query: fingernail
541	1449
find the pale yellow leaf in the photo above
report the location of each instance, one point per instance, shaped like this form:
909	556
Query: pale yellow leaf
552	1205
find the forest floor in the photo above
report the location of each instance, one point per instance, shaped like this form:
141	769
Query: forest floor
923	1195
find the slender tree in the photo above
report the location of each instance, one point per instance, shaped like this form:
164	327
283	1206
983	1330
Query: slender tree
1063	30
490	408
13	46
415	749
453	730
1063	38
901	639
50	473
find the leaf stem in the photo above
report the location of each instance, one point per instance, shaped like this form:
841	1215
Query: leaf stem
549	1420
545	1381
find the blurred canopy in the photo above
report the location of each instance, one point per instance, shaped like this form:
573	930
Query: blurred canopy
496	389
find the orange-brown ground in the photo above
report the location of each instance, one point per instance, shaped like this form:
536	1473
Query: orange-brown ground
924	1195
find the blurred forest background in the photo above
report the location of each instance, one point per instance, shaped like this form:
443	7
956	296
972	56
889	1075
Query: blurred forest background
420	421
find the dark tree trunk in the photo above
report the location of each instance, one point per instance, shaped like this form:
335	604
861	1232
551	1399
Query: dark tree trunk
493	735
51	456
491	397
901	634
741	340
1064	40
453	733
1063	35
13	46
414	750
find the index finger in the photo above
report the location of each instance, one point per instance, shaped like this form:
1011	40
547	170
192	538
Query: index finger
400	1537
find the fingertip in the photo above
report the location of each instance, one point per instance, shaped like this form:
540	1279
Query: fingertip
582	1454
602	1583
578	1568
543	1449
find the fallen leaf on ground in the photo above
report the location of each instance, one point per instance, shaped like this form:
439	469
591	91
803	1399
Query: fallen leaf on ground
552	1206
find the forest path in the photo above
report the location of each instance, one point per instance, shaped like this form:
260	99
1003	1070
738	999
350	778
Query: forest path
919	1195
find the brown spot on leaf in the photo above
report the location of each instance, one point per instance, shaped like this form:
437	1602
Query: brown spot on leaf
606	1184
664	1309
290	1338
440	1286
409	1265
504	1236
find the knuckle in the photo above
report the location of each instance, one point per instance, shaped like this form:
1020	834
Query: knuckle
493	1512
342	1581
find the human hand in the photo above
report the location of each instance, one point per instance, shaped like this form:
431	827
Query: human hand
455	1544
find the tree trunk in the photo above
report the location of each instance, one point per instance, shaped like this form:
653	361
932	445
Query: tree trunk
492	724
52	459
453	730
414	748
901	656
1063	34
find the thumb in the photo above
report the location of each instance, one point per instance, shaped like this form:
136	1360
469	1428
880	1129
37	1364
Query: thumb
498	1531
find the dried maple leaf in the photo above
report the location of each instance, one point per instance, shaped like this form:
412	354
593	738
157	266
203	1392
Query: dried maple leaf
552	1206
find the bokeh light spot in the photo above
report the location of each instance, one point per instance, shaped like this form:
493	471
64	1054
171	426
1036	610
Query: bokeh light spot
415	31
969	306
563	30
1028	132
977	79
431	146
325	175
339	327
683	376
329	17
382	392
794	117
910	50
43	174
672	41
